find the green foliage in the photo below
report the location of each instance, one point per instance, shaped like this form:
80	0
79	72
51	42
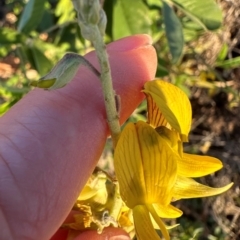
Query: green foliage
205	12
64	11
229	63
10	36
38	39
31	15
46	29
130	18
174	32
41	63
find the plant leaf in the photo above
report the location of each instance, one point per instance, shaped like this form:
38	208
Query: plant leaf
205	12
31	16
41	62
229	63
174	32
130	17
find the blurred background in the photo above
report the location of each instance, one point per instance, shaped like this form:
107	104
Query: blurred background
198	48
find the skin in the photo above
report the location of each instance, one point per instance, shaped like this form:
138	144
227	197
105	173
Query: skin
50	142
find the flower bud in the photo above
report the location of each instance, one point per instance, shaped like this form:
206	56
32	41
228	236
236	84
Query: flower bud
94	12
86	31
88	10
102	22
63	72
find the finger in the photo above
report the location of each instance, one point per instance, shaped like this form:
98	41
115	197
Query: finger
109	233
50	141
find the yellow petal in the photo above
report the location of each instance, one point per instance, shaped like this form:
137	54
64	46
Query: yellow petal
95	192
172	226
128	167
189	188
191	165
173	104
155	116
87	193
159	164
167	211
159	222
172	138
143	224
145	166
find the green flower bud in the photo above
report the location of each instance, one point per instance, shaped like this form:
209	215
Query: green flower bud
87	31
102	22
63	72
94	12
88	10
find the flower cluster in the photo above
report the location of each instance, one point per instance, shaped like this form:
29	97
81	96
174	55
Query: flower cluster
152	172
151	167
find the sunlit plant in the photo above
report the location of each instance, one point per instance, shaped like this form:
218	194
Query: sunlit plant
152	171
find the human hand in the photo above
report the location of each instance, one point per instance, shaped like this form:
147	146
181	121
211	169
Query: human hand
50	142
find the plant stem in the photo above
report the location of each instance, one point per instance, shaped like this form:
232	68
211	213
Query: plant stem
107	87
92	21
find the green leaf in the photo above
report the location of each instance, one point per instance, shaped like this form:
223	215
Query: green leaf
41	62
48	21
10	36
223	53
156	3
174	32
129	18
205	12
31	16
230	63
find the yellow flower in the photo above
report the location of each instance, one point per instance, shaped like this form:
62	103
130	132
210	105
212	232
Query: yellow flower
146	168
168	106
169	111
150	165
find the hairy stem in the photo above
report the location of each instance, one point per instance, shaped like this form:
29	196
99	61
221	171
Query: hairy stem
107	87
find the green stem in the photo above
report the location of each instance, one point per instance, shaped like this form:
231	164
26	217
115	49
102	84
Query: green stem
92	21
107	87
